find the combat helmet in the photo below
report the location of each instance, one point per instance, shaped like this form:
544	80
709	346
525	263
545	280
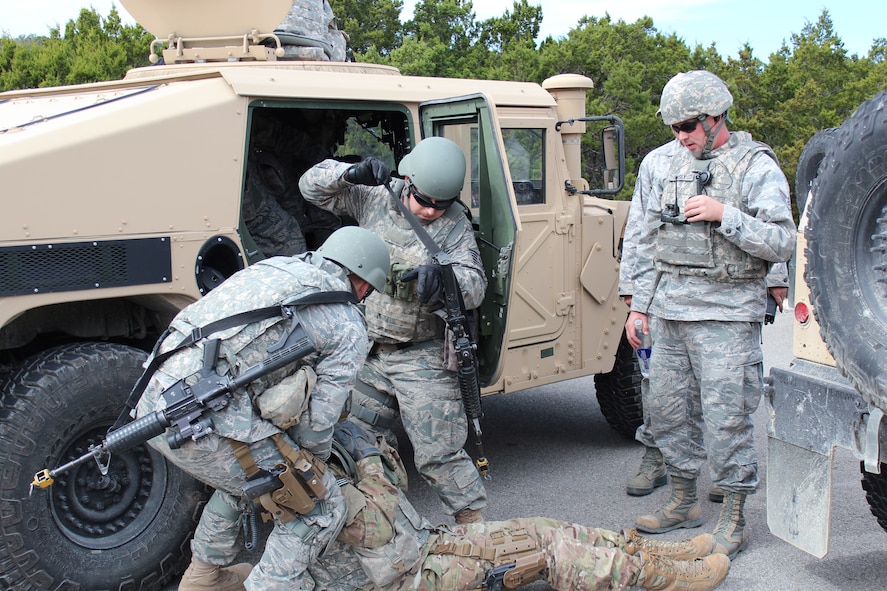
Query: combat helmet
436	166
693	94
361	252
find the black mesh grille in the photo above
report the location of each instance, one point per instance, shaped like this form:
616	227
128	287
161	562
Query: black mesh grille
43	268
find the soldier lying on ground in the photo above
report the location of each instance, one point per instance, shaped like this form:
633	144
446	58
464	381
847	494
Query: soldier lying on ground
386	545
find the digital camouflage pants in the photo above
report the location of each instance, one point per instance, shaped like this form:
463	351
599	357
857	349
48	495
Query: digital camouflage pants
290	547
430	407
705	384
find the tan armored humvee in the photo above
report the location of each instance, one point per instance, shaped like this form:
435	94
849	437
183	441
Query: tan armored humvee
125	201
834	392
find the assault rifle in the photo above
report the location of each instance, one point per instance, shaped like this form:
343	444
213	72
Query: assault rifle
188	407
459	326
465	349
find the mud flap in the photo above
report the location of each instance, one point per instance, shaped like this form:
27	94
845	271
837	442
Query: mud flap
799	491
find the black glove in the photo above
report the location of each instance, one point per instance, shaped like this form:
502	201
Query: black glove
430	284
371	171
357	441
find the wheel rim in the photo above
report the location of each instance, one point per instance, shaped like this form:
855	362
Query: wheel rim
871	251
102	512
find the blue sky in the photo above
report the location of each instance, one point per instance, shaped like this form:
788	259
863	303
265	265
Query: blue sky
762	23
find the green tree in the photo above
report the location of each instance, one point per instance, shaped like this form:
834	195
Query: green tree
506	45
438	40
91	49
372	25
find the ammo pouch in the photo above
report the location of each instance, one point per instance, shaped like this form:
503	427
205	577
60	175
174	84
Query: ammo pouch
396	288
291	489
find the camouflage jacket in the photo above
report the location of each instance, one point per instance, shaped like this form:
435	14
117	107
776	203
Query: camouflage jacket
763	227
399	319
337	331
654	167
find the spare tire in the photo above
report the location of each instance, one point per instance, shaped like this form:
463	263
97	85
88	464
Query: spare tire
808	164
847	249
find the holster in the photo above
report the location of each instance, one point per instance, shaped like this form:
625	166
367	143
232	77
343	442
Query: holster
514	553
291	489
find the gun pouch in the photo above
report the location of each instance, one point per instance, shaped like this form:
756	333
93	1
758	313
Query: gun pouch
291	489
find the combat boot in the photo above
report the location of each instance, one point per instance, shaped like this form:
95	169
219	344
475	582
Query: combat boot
731	533
716	494
202	576
681	510
650	476
467	515
698	547
666	574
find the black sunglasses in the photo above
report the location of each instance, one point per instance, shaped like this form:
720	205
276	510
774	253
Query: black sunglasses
427	201
686	126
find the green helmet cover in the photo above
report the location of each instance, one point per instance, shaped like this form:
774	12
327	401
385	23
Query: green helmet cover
436	166
361	252
693	94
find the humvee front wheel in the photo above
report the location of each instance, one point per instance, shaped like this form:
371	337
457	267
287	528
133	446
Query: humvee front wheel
129	530
619	391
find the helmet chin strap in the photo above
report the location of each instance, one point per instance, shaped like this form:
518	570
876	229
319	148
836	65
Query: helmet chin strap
711	132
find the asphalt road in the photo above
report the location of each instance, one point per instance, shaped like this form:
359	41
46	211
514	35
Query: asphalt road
552	453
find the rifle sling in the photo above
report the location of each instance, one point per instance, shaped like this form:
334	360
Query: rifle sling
201	332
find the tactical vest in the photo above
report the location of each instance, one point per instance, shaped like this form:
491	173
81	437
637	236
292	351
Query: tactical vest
697	248
396	316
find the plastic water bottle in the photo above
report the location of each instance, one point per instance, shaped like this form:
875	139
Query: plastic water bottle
643	352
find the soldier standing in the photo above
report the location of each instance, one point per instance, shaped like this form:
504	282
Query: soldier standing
283	419
651	176
720	219
405	372
386	545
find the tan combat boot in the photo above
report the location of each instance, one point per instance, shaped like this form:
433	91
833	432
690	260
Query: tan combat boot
697	547
650	476
202	576
666	574
467	515
731	533
681	510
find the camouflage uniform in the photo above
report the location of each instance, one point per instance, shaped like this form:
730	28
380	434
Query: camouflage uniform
654	168
373	554
339	336
405	371
706	326
314	25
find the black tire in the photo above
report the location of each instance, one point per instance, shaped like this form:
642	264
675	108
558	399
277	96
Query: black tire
875	486
619	392
808	164
79	534
847	249
808	169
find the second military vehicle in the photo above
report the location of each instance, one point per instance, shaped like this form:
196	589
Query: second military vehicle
125	201
834	393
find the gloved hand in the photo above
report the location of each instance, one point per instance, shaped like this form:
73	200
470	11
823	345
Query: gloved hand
357	441
430	283
370	171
